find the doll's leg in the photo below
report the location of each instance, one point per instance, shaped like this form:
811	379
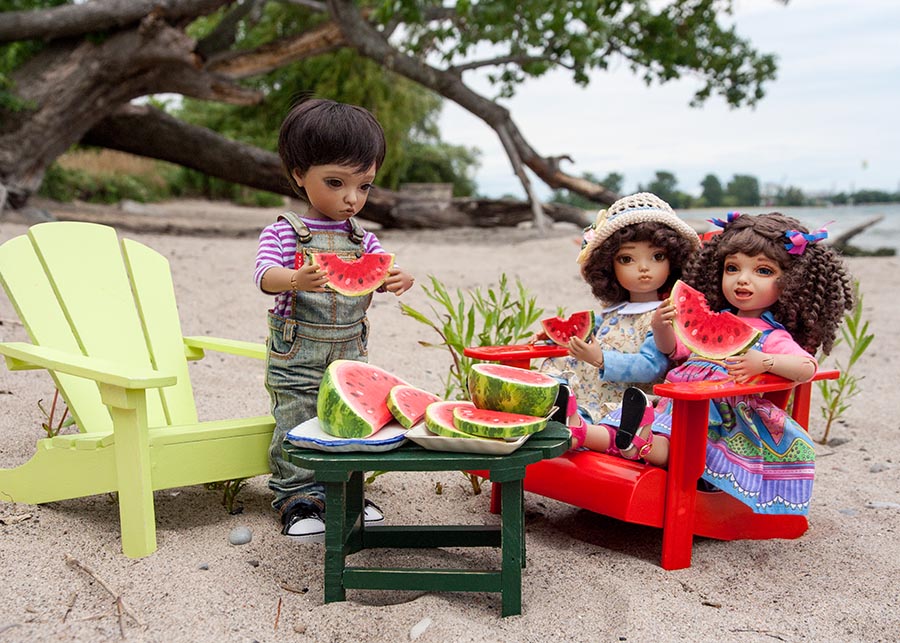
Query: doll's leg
634	438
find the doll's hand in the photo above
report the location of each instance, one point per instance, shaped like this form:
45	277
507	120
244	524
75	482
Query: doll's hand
661	323
308	278
538	337
742	367
398	281
590	353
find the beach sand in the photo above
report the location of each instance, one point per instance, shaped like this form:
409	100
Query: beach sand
588	578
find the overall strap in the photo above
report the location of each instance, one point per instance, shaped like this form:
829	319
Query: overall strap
356	231
303	233
357	234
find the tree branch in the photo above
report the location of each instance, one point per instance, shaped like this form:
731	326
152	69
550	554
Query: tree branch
101	15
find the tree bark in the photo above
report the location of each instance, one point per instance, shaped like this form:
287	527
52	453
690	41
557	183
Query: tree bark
169	139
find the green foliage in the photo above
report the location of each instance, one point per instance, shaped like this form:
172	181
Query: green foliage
63	184
612	181
744	189
836	394
660	41
230	490
51	426
504	318
712	191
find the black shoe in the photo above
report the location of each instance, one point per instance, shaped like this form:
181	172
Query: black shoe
306	524
634	404
561	404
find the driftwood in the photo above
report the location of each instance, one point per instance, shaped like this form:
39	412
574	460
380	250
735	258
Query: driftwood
842	241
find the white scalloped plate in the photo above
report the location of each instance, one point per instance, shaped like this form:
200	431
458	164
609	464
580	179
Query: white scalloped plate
433	442
309	435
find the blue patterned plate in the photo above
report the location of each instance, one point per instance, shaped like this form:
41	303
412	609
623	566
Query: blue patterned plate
309	435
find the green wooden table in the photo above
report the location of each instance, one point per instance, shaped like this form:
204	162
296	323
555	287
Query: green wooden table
346	533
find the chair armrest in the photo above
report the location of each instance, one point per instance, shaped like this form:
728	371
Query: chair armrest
519	355
21	356
194	347
708	390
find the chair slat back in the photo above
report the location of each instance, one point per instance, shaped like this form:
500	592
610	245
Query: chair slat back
31	295
154	295
84	266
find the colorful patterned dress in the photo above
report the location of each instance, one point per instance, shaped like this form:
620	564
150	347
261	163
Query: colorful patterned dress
630	358
755	451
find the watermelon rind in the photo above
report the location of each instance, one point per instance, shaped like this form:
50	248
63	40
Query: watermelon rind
439	419
706	333
496	424
500	388
408	403
354	278
343	409
560	331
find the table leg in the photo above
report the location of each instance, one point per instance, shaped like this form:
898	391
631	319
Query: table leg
335	530
353	537
512	546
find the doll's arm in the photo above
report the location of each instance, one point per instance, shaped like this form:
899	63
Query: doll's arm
398	281
799	368
663	331
308	279
649	364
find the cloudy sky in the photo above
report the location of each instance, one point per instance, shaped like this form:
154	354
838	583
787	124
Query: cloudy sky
829	122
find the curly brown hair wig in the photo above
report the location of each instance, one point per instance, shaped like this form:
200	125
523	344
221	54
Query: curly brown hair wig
816	287
598	269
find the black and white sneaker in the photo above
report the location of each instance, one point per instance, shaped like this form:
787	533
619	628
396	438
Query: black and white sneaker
372	513
306	524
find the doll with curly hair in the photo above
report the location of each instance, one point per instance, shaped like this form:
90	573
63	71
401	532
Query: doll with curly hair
631	257
777	276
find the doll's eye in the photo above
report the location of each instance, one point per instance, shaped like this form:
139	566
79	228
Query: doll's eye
765	272
624	259
659	256
334	183
731	268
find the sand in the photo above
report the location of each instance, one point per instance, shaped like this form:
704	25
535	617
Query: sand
588	578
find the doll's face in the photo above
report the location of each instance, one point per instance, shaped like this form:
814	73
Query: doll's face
750	284
335	192
642	269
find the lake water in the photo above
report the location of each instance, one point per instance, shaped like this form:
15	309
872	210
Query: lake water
884	234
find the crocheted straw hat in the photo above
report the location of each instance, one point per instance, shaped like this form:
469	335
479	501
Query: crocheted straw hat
635	208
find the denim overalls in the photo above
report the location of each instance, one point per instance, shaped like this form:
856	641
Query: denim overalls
320	328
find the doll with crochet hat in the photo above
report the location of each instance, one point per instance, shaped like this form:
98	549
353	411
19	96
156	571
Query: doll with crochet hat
630	257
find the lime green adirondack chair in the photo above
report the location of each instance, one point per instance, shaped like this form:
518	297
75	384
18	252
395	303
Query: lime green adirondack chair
103	321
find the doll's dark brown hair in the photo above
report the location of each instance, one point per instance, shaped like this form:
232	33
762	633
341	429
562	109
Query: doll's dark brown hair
598	269
325	132
816	288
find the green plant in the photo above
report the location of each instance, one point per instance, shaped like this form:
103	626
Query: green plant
505	318
230	490
836	394
51	429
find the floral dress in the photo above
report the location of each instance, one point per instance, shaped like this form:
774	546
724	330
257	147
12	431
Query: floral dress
630	358
755	451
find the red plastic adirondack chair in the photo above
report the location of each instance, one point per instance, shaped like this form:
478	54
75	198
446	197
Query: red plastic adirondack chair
666	498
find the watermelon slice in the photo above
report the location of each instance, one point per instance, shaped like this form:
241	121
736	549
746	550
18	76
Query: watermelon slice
560	331
513	390
354	278
408	404
496	424
352	400
439	419
708	334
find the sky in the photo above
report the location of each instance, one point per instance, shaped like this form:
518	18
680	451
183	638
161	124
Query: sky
829	122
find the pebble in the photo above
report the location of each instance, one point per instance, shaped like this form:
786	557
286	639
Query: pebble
240	536
419	628
878	504
878	467
203	566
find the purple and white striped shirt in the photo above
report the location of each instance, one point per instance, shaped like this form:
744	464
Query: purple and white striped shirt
278	246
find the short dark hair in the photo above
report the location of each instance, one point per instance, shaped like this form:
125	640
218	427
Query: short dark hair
325	132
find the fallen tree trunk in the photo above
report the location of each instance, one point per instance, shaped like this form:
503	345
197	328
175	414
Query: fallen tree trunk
169	139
